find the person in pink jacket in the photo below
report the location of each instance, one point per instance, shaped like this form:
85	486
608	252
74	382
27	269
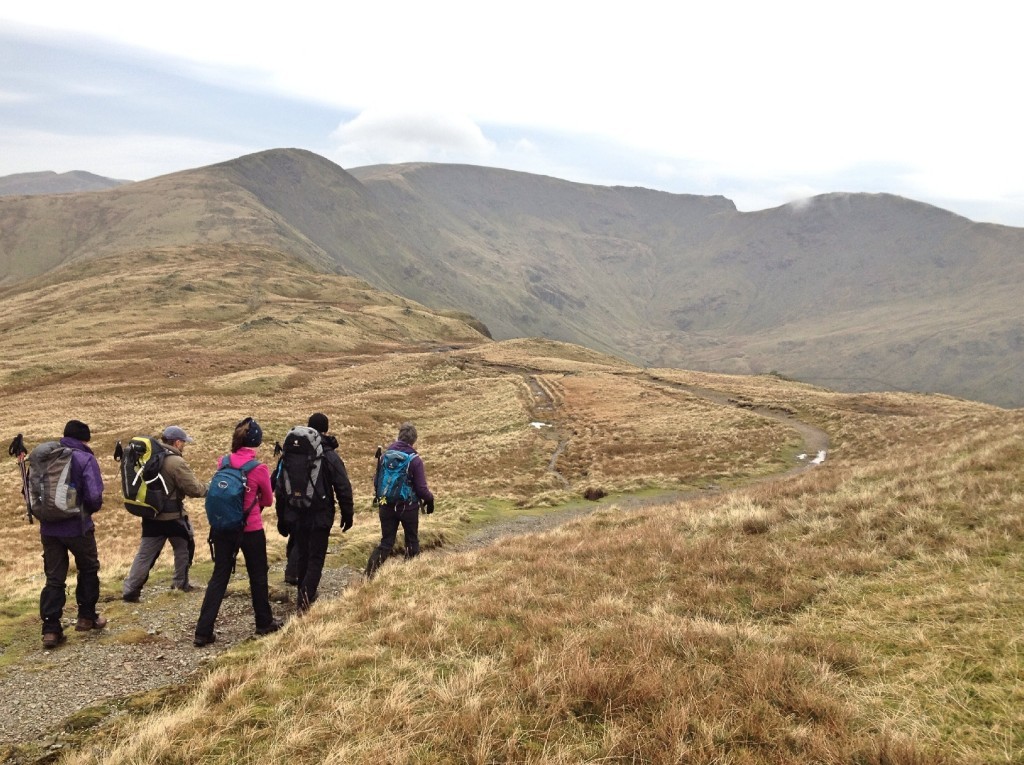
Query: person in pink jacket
252	541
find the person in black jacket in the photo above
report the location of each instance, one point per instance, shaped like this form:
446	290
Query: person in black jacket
310	528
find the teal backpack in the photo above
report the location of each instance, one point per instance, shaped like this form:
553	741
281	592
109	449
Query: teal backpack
391	484
225	499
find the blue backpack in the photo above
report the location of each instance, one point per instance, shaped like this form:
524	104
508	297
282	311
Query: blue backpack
391	484
225	499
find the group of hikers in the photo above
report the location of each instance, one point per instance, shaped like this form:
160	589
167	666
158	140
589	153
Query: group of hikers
307	485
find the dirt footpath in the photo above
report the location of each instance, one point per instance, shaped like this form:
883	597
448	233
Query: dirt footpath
152	648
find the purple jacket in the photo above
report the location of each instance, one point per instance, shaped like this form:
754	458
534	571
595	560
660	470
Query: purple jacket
86	478
416	471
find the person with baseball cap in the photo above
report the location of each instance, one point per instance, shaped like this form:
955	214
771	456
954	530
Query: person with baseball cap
172	525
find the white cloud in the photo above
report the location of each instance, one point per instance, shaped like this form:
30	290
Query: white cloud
384	136
11	97
762	99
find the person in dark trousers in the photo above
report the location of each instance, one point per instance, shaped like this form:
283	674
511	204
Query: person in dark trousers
173	526
252	541
405	514
77	537
309	529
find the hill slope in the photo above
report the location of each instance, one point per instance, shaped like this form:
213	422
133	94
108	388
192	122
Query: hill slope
857	291
702	613
860	291
55	183
51	182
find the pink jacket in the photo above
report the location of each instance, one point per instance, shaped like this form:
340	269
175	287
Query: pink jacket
258	495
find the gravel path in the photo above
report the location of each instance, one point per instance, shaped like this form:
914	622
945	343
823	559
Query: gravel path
152	648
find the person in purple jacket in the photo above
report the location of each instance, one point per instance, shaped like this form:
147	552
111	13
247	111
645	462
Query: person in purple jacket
77	537
405	514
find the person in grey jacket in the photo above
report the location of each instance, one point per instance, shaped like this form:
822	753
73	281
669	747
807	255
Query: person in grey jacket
172	526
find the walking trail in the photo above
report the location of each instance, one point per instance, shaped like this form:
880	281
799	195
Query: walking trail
48	694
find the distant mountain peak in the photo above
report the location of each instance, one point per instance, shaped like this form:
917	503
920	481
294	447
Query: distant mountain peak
50	182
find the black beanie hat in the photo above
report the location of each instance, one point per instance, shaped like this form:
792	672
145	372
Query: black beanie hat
319	422
77	429
254	435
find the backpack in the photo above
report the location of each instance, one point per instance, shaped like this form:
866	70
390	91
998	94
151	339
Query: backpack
299	467
51	496
225	499
391	484
142	483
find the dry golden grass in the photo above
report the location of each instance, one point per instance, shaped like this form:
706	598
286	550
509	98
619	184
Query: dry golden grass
867	611
868	617
132	344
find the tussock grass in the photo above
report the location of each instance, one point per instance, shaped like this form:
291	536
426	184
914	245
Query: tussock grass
874	618
866	611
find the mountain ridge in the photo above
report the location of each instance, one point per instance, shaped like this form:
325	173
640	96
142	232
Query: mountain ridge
50	182
843	286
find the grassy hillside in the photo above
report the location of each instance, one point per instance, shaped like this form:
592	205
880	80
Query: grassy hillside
201	337
857	291
865	611
210	205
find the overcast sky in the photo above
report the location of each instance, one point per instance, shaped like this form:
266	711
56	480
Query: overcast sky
762	102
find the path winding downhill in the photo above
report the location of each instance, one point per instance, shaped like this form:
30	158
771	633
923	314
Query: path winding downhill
47	688
815	441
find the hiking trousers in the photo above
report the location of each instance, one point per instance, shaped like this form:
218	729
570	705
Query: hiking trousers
253	545
391	517
310	553
184	548
55	565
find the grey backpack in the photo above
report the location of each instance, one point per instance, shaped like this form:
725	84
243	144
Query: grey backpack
300	467
51	495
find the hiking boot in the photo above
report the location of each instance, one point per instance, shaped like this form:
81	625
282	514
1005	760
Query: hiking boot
291	580
204	640
187	588
84	625
53	639
274	626
130	597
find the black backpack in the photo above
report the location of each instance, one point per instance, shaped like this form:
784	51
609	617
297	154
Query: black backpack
300	467
142	483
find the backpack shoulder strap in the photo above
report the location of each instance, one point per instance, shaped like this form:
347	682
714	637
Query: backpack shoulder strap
249	466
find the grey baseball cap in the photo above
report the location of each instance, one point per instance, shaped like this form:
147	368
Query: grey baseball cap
174	433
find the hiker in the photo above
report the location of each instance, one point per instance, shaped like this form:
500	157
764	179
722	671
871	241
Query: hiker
172	525
404	512
307	521
251	540
76	536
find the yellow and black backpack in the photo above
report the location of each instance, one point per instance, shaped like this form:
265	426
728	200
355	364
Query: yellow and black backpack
142	482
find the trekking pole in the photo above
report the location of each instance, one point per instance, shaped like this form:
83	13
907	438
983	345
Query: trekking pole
17	449
376	475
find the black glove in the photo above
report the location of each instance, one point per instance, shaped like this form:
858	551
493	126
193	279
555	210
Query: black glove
282	528
346	523
428	506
